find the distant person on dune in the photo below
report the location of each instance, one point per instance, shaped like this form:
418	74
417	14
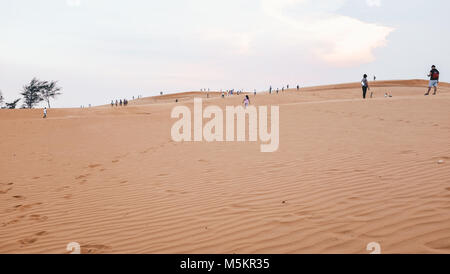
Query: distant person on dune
112	103
434	80
365	85
45	113
246	101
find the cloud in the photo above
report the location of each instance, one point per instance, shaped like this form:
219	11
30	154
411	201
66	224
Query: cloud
373	3
73	3
333	38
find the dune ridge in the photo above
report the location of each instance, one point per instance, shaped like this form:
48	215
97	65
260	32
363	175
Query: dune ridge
348	172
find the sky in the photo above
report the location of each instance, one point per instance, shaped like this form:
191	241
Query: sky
100	50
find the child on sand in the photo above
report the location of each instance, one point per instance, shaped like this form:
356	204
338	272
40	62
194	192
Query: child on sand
45	113
246	101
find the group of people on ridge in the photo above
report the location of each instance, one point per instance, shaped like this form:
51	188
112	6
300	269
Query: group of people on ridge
433	83
119	102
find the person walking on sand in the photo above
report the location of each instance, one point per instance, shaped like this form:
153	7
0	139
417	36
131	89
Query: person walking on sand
365	85
246	101
434	80
45	113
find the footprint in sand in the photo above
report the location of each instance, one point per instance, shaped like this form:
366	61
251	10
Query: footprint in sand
147	150
37	217
42	233
115	161
82	176
32	239
25	207
14	221
94	165
442	244
19	197
5	191
94	249
28	241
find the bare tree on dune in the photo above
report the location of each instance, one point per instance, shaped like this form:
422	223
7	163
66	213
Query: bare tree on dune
13	104
1	98
49	91
32	93
38	91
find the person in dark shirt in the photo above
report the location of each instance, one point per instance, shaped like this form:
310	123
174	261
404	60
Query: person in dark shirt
434	80
365	85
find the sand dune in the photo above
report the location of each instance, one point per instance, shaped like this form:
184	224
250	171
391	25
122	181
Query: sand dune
347	172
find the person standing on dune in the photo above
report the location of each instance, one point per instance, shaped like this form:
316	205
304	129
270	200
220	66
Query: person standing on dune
45	113
365	85
246	101
434	80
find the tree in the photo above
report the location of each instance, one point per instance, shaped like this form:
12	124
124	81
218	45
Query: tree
49	91
38	91
12	105
1	98
32	93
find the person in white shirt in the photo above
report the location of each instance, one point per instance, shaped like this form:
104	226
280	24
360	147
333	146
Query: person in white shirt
365	85
45	113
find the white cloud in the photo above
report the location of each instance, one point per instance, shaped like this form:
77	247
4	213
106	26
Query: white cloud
73	3
334	38
373	3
